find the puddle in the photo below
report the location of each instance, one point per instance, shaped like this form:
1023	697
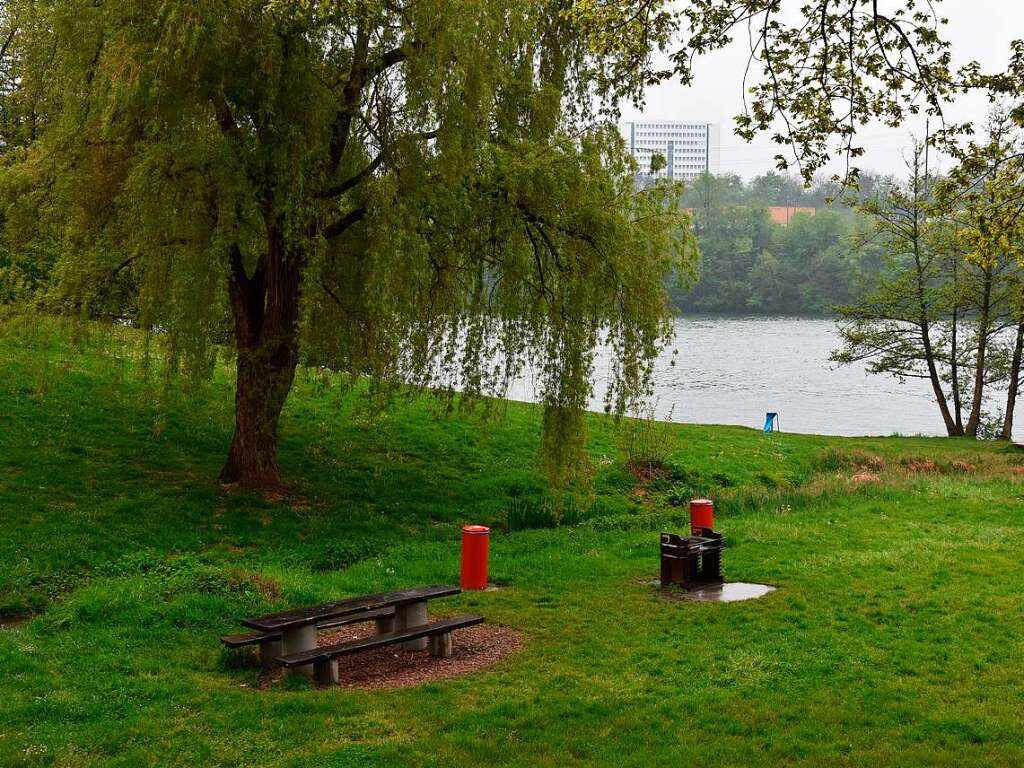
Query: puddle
731	592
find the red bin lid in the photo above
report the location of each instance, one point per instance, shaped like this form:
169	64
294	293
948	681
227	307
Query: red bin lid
476	529
702	503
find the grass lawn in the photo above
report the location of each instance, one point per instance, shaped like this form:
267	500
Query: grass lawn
896	636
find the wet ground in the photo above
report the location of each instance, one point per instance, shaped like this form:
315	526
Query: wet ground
730	592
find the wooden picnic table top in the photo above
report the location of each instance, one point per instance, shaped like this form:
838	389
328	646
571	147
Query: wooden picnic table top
299	617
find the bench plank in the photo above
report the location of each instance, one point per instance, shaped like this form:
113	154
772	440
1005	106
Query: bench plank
318	614
254	638
376	641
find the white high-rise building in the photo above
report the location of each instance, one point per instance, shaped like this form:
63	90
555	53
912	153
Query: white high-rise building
689	148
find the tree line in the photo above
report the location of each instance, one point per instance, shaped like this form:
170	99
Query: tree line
750	264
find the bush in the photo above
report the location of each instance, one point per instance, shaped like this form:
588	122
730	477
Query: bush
647	443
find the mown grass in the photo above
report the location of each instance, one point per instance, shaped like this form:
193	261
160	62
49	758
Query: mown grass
895	637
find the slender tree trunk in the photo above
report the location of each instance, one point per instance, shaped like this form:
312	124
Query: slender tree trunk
1014	384
265	307
952	428
984	322
954	351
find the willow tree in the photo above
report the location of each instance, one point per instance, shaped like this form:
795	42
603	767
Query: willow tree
417	192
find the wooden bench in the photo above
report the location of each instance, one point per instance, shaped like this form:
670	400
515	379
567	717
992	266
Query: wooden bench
298	628
270	642
324	659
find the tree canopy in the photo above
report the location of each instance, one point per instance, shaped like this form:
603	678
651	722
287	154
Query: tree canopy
947	305
750	264
417	193
421	192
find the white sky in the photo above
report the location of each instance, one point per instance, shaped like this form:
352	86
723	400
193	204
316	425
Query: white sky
979	30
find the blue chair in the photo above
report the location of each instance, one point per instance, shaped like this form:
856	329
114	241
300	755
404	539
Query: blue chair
771	422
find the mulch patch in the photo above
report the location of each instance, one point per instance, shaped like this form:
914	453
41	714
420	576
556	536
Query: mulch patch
647	472
474	648
13	622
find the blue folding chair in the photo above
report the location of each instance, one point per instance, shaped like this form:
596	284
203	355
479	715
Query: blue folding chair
771	422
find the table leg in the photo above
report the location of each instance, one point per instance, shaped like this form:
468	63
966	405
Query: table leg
327	672
441	645
299	639
412	615
269	651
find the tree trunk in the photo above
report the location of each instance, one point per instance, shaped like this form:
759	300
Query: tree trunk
1014	385
265	308
954	362
984	322
923	324
261	388
952	428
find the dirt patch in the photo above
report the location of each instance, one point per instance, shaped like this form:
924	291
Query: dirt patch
870	463
865	477
266	586
474	648
13	622
648	471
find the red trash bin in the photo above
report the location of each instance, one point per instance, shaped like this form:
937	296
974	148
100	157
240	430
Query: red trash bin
702	515
475	544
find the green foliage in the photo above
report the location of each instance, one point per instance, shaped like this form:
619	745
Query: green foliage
647	442
419	193
422	193
544	511
946	307
750	264
984	194
827	69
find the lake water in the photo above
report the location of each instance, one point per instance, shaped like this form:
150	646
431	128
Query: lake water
734	370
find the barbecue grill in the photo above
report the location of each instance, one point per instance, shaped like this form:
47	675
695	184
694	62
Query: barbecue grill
690	561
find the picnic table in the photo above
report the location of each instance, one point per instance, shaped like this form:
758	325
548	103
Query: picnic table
401	618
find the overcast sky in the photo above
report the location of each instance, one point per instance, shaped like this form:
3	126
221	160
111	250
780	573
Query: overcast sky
978	30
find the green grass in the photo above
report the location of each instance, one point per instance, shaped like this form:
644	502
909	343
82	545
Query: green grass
896	636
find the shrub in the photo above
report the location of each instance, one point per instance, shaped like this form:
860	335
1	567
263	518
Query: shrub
647	442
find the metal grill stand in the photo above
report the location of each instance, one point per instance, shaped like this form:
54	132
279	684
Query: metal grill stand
691	561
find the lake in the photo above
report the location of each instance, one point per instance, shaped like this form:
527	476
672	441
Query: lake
732	370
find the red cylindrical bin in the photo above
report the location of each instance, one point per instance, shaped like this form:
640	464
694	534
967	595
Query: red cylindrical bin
475	544
702	515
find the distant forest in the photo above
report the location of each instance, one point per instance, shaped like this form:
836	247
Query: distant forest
750	265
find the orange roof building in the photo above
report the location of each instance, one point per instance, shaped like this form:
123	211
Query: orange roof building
781	214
